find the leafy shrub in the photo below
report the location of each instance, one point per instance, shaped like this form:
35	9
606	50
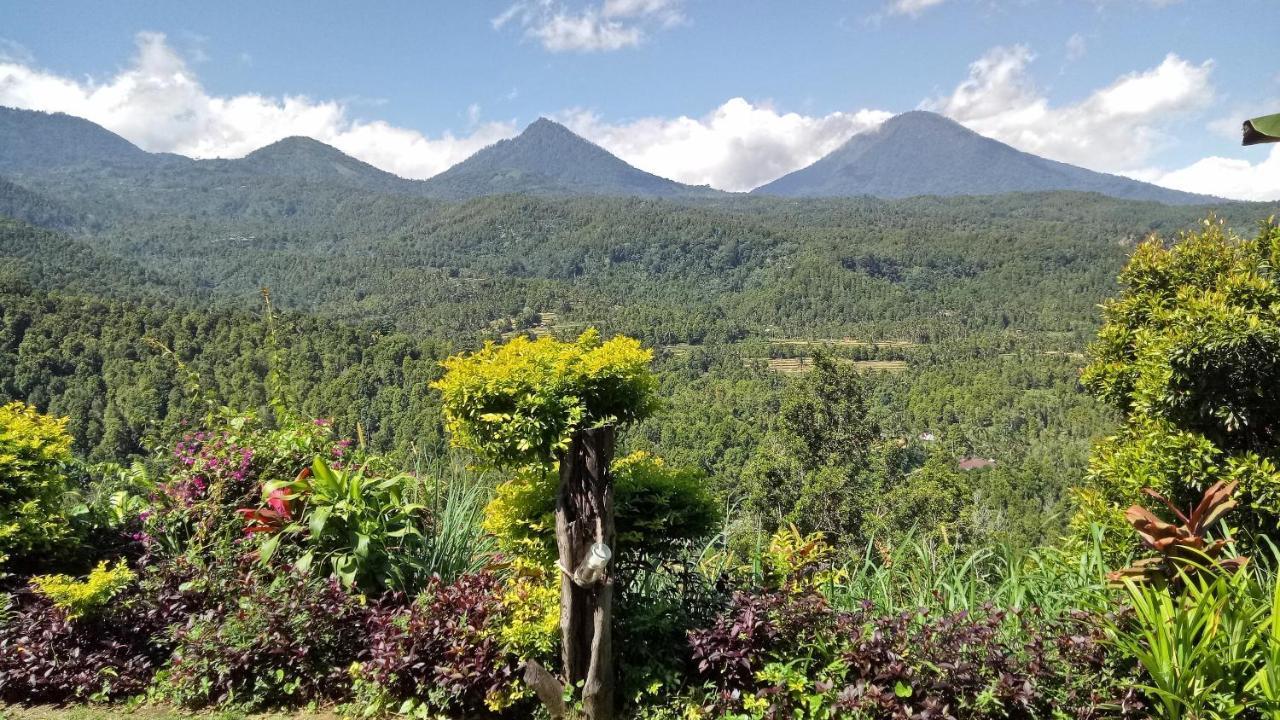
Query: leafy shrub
35	450
265	641
531	602
48	657
351	523
519	403
1201	626
78	598
779	654
440	653
657	509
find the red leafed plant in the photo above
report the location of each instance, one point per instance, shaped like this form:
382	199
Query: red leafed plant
275	515
1185	547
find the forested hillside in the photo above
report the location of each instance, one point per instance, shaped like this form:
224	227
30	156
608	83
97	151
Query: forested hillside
127	275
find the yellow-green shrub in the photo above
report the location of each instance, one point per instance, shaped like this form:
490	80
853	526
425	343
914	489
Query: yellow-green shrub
656	507
34	451
521	402
798	562
79	598
531	599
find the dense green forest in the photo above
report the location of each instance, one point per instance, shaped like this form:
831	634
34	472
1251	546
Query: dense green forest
969	315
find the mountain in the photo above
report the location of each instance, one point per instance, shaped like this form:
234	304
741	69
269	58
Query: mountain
32	141
302	158
549	159
923	153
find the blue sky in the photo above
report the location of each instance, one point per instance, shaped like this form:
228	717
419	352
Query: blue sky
728	93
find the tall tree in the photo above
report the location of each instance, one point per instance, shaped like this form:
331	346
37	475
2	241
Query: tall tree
548	402
815	468
1190	353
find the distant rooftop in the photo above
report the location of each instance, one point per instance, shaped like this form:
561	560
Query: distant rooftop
975	463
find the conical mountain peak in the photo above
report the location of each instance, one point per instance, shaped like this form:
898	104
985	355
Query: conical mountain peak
924	153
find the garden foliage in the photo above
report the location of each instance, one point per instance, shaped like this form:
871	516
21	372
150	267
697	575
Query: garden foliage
35	452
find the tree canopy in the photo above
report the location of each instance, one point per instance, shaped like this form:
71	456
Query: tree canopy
520	403
1190	353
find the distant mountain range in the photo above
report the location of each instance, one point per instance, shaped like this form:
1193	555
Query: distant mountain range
923	153
916	153
545	159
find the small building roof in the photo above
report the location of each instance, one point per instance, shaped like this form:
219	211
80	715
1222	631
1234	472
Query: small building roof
975	463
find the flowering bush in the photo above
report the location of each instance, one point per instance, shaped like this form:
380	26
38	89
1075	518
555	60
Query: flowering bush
217	470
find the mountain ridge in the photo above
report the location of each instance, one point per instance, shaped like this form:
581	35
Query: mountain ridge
915	153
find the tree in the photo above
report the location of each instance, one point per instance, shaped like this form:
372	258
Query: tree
817	468
544	402
1190	353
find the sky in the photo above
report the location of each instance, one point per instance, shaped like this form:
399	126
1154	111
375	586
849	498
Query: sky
729	93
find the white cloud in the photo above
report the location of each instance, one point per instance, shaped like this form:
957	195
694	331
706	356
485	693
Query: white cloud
1117	128
1224	177
159	104
613	25
911	7
738	146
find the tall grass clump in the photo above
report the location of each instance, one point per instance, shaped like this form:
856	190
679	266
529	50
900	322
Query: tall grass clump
456	543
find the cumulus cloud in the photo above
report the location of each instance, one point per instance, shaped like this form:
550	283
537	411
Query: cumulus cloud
1116	128
1224	177
612	25
158	103
738	146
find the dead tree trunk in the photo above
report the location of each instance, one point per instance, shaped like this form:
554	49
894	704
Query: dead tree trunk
584	516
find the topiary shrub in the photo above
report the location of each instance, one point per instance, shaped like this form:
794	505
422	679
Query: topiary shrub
519	403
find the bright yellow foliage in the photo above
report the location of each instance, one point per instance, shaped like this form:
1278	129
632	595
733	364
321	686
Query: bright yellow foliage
531	599
34	449
84	597
520	403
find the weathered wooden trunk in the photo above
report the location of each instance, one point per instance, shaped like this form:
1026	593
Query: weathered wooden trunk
584	516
